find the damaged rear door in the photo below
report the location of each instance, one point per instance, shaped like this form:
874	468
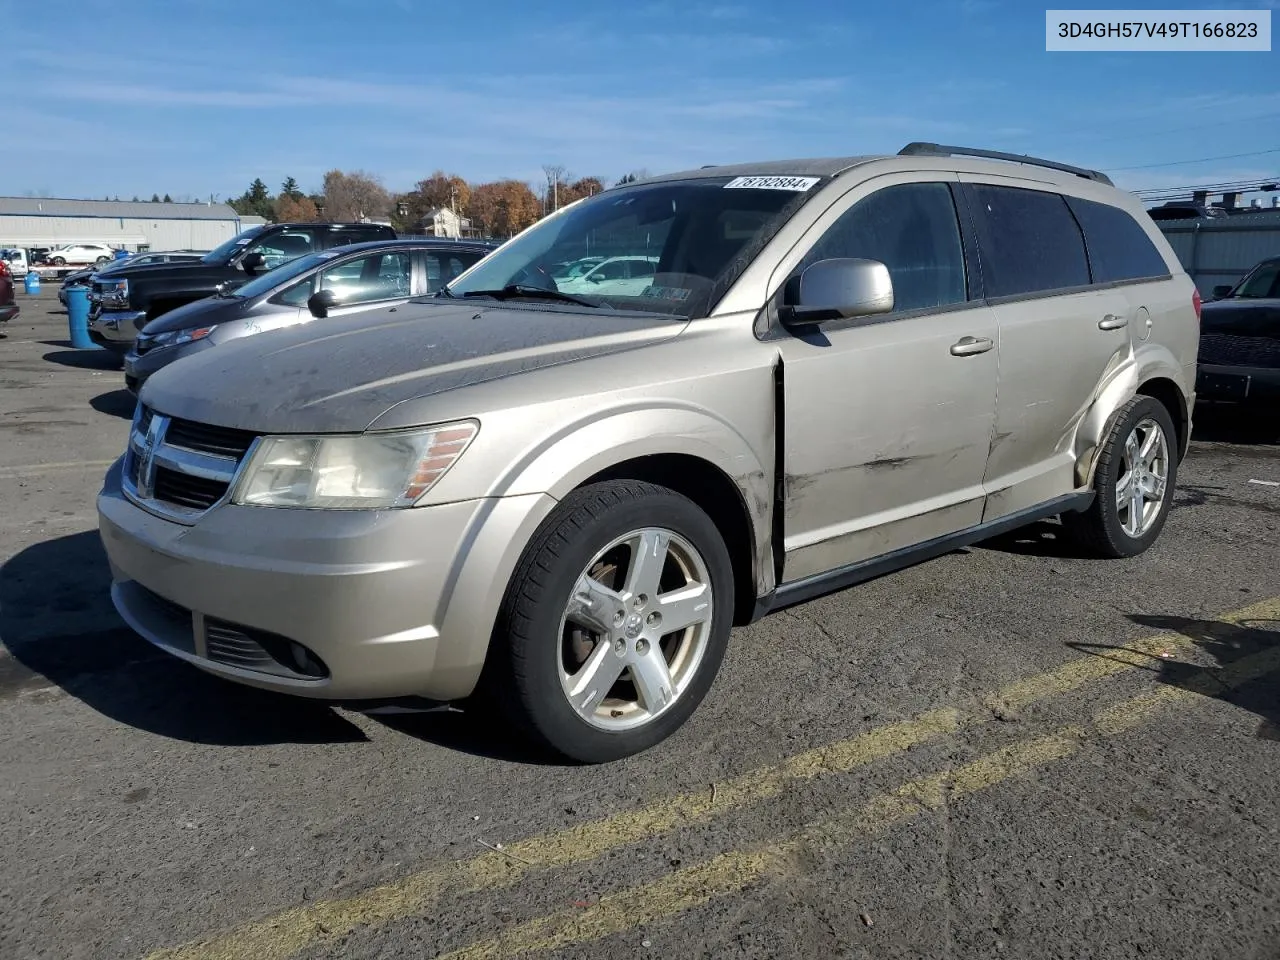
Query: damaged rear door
888	419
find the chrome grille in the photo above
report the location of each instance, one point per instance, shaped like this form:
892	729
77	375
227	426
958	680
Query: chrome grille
204	438
177	468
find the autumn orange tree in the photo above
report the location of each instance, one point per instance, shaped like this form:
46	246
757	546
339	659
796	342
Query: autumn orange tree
295	209
503	208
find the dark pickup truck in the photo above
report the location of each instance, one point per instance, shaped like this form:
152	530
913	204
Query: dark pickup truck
121	303
1239	356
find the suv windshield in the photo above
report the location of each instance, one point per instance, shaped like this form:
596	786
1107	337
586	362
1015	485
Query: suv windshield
222	253
670	247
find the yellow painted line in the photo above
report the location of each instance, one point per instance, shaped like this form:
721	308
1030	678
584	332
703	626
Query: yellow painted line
290	931
734	871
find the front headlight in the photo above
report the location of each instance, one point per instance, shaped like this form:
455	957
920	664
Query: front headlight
364	471
174	338
115	294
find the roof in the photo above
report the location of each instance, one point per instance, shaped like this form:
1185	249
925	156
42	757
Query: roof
809	167
53	207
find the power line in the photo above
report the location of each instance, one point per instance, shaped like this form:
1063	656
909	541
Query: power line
1178	163
1232	185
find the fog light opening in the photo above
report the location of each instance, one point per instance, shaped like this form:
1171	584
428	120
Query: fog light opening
303	660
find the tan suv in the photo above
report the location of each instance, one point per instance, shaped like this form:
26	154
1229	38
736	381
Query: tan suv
564	500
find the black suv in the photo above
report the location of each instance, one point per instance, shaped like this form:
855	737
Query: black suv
121	303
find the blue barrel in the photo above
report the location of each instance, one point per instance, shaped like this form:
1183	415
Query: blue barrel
122	254
78	317
32	283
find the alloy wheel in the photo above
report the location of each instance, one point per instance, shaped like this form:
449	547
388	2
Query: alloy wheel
1144	475
635	629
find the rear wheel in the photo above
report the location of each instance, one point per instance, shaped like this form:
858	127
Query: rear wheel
615	622
1134	482
59	261
101	260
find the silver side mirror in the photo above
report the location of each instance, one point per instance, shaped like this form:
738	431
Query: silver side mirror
836	289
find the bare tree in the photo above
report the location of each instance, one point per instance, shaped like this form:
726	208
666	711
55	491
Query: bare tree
557	176
351	196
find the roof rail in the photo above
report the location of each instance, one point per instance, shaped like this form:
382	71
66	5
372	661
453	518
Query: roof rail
942	150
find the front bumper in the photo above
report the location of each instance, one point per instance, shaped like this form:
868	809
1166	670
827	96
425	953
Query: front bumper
1230	382
393	603
115	329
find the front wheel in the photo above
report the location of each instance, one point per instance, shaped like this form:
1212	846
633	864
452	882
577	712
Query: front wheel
59	261
615	622
1134	482
101	260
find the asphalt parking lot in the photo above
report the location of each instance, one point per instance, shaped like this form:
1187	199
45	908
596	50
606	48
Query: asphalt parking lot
1008	751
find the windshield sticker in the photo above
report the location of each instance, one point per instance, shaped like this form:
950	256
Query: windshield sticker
798	184
241	243
666	293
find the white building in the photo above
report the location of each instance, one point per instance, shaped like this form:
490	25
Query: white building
41	222
443	222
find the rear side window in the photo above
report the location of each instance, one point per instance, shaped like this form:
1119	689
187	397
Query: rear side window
348	235
912	229
1029	241
1119	249
443	267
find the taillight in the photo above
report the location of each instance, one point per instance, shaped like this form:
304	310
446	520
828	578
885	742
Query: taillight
4	269
1195	302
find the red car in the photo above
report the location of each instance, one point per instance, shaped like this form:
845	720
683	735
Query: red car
8	309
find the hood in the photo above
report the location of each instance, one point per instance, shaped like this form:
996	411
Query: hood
186	269
1241	317
198	313
343	377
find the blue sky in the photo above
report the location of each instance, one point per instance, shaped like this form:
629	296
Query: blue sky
139	96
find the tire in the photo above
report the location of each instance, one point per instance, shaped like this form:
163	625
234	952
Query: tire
544	651
58	262
1106	528
101	260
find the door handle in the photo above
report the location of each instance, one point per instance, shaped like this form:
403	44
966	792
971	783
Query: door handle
968	346
1112	322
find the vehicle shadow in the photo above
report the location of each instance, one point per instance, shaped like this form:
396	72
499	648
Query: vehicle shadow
57	621
1041	539
473	727
1247	670
86	359
116	403
1242	423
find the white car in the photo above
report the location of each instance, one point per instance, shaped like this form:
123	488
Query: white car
617	276
80	253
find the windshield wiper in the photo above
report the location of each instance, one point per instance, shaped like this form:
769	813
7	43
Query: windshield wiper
513	290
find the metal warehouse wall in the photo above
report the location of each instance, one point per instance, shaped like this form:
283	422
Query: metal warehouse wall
1215	251
158	234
